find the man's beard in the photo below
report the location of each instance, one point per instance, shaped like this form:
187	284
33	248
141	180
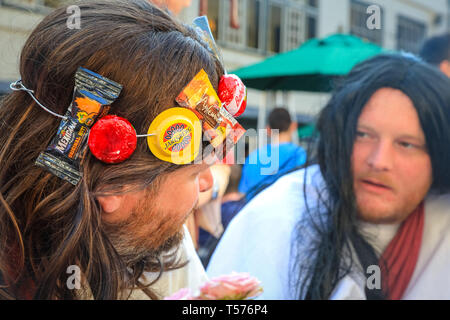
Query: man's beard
145	236
132	253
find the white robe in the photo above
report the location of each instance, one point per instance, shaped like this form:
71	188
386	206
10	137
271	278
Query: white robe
258	241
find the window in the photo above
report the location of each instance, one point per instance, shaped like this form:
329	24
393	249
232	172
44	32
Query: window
410	34
266	26
274	29
253	23
358	23
4	88
213	17
235	37
295	28
311	19
311	27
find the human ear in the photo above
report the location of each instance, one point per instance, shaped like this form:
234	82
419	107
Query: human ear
293	126
110	204
206	180
119	207
445	67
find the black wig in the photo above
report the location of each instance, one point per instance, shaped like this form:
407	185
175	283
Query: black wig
336	232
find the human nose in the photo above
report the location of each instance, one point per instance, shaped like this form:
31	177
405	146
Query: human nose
381	156
206	180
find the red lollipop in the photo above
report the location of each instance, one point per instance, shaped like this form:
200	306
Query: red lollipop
233	94
112	139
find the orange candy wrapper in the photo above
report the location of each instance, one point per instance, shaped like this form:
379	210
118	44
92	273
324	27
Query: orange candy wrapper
219	126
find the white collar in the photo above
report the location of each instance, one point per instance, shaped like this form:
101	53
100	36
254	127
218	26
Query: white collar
378	235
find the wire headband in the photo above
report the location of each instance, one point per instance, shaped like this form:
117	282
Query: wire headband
175	135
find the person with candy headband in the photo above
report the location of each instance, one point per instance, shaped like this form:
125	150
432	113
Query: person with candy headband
370	217
101	154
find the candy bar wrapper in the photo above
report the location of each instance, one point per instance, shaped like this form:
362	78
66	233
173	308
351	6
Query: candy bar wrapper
92	97
219	127
232	131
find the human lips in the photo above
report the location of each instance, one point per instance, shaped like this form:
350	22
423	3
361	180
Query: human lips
376	182
375	185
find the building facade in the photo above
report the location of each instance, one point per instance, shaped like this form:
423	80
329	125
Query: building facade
17	20
265	27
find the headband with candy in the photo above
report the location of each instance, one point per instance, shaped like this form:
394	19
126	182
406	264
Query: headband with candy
175	135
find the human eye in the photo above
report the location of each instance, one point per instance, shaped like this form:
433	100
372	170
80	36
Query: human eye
411	146
360	134
407	145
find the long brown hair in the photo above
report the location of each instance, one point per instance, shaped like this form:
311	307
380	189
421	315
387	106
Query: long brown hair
47	224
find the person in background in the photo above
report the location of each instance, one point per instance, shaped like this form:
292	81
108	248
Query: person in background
266	164
231	202
207	215
436	51
371	219
120	225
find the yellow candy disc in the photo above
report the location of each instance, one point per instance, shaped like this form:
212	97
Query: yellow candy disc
177	136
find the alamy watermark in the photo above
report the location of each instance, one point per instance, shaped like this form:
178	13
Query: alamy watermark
74	20
374	279
374	20
74	279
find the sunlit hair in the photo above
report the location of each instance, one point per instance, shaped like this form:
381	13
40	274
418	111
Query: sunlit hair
47	224
332	221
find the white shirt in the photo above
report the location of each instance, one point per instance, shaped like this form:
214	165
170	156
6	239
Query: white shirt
258	241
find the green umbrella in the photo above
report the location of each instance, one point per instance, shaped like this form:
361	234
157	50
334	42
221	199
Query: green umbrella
311	67
306	131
